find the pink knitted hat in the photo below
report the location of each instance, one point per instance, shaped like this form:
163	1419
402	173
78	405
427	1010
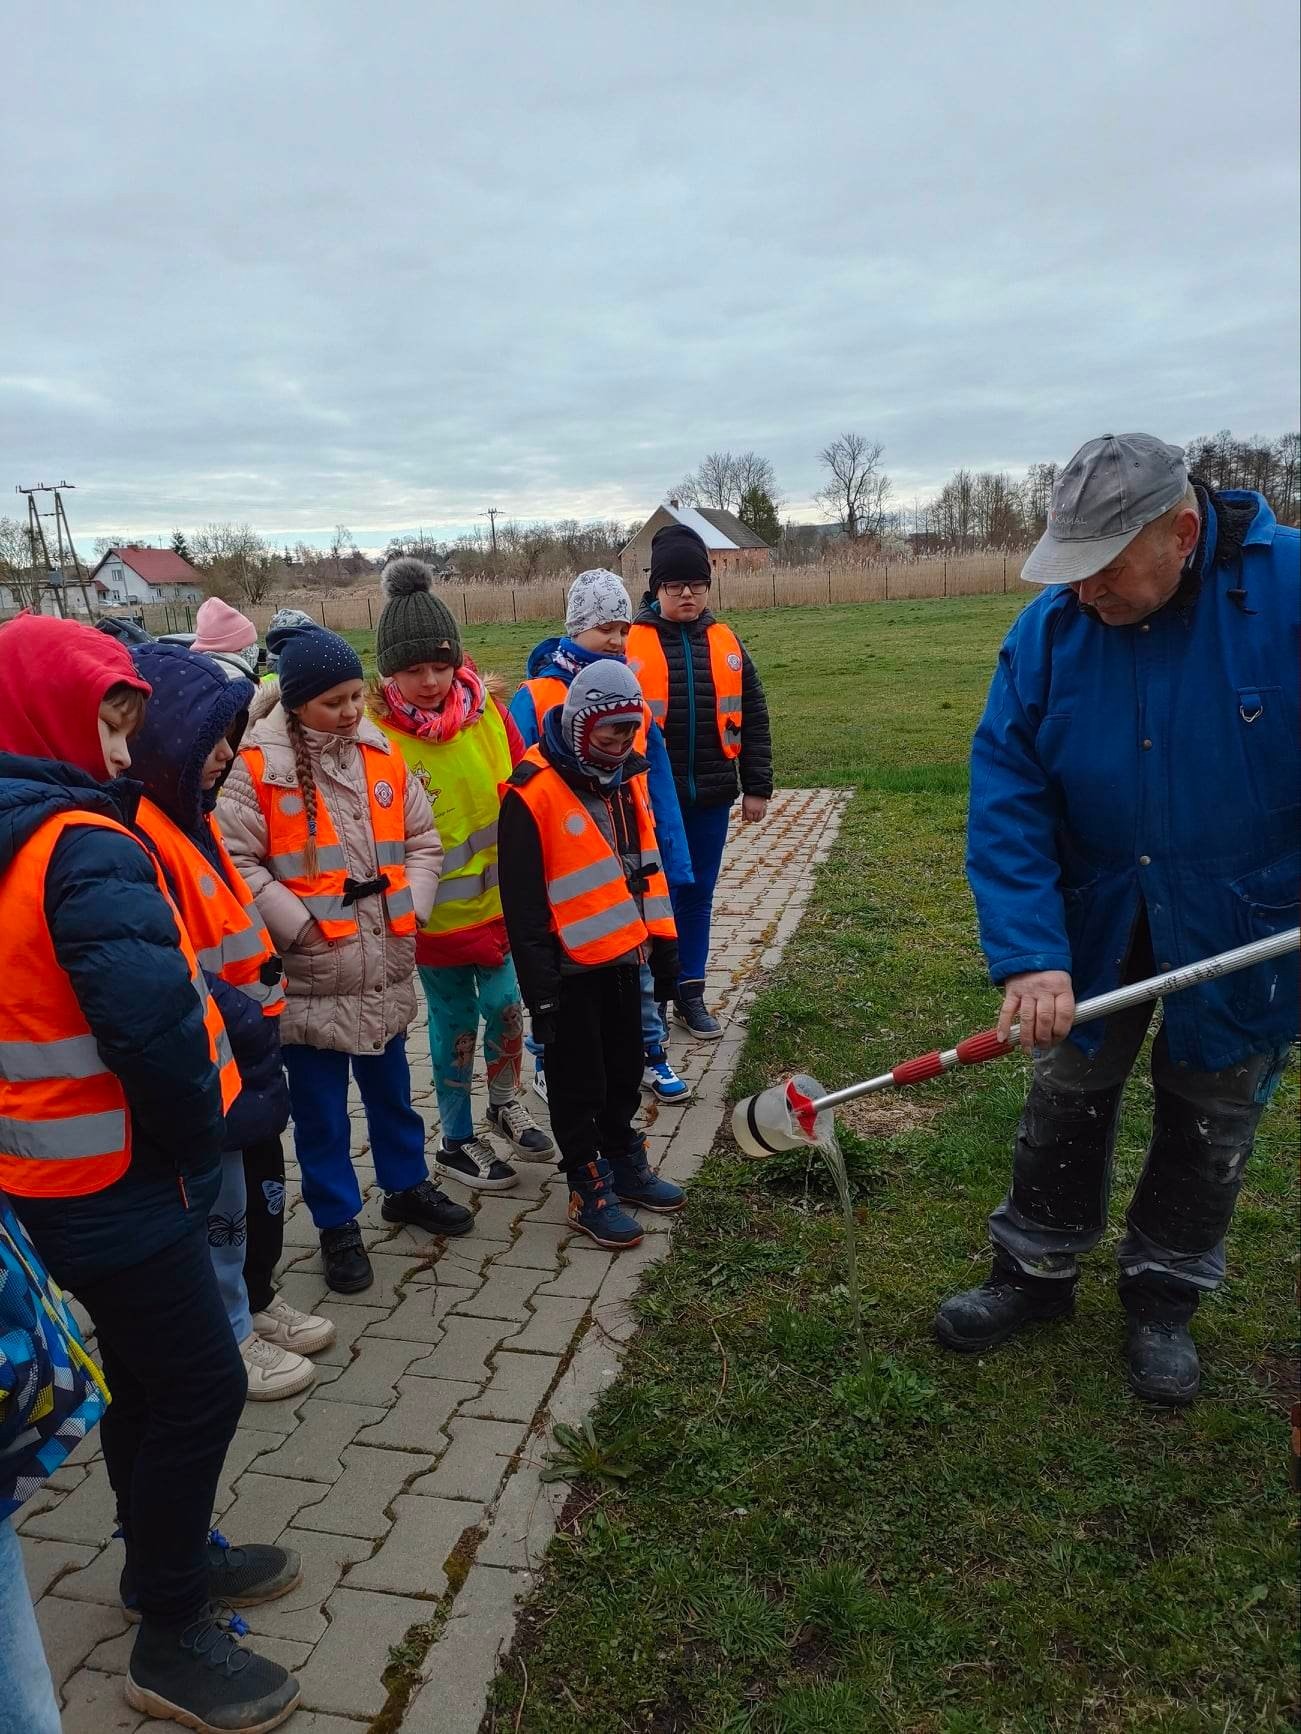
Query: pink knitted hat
221	627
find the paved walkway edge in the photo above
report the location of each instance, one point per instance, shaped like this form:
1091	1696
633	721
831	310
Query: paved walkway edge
457	1673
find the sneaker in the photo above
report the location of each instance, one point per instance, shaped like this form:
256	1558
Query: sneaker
1163	1365
594	1210
636	1182
539	1078
239	1577
690	1009
1005	1303
347	1269
199	1675
273	1372
424	1206
287	1328
475	1163
510	1120
661	1080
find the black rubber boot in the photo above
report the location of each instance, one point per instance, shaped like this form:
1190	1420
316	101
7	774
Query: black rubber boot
347	1269
199	1676
238	1577
1163	1365
1005	1302
424	1206
689	1005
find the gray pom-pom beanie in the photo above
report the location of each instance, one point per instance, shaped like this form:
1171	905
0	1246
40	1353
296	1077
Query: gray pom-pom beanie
415	625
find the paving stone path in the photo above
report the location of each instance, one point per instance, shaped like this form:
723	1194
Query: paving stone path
420	1444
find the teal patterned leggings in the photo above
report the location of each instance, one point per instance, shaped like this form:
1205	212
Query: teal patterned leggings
458	998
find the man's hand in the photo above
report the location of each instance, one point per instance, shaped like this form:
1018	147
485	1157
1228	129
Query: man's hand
1043	1003
753	808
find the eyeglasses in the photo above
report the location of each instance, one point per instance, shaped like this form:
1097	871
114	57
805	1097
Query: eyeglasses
698	588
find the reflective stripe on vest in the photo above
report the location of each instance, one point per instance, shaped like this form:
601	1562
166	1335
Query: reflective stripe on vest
322	891
220	917
593	913
462	778
647	661
65	1131
549	690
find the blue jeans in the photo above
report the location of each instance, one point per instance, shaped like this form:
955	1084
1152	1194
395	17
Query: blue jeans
693	905
653	1032
227	1238
27	1702
318	1094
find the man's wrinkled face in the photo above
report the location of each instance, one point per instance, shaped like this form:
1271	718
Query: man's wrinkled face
1145	575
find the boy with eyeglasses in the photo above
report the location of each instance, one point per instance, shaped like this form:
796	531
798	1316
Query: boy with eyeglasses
704	691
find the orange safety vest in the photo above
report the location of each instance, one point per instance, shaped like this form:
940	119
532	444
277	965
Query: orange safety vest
647	661
323	893
220	916
548	690
593	912
65	1128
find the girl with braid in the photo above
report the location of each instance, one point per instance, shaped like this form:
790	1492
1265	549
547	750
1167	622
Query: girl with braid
338	845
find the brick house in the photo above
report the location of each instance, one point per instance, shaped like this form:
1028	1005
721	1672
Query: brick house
733	546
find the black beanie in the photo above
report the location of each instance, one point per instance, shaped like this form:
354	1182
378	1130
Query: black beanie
678	556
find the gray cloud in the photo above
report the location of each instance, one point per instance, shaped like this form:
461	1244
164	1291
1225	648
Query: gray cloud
387	265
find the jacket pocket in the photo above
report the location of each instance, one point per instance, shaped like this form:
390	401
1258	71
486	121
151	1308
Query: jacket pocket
1267	742
1269	896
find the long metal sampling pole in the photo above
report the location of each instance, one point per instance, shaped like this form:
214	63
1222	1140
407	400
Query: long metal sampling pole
987	1046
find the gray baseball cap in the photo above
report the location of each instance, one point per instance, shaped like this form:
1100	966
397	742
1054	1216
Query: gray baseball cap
1111	488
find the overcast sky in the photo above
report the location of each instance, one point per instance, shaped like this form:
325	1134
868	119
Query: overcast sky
388	264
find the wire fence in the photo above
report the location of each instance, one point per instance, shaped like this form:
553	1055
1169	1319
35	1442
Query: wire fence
491	604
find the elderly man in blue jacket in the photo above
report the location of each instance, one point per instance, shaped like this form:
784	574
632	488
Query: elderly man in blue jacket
1134	806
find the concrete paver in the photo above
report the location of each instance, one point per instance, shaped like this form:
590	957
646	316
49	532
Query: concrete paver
431	1417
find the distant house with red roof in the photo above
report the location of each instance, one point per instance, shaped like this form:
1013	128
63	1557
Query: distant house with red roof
131	574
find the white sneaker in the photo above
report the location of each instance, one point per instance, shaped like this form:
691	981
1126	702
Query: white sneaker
287	1328
539	1078
511	1121
273	1372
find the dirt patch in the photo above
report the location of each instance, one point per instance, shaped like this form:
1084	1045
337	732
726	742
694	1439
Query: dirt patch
1280	1374
885	1116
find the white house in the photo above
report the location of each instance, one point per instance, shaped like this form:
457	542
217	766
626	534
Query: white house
148	575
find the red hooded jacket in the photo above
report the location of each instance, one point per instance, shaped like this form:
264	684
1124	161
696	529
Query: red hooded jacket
53	677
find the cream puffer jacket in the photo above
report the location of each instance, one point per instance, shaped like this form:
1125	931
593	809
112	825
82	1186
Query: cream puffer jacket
352	995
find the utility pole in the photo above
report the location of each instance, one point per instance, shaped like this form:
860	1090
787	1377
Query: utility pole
64	544
492	513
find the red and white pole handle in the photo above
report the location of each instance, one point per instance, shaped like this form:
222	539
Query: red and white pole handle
985	1045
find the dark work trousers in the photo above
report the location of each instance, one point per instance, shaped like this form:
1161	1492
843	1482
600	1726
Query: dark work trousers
594	1065
178	1387
264	1180
1203	1127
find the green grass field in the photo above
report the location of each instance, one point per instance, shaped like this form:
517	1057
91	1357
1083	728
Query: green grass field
770	1541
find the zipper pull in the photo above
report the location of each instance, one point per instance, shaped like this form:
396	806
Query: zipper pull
180	1187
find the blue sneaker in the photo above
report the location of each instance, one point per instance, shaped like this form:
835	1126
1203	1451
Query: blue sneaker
594	1210
661	1080
636	1182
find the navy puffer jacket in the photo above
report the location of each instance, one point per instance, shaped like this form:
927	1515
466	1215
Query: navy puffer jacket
116	939
195	704
703	776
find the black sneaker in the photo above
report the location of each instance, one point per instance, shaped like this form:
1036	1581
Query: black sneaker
238	1577
475	1163
199	1675
513	1122
978	1318
347	1269
1163	1365
691	1010
424	1206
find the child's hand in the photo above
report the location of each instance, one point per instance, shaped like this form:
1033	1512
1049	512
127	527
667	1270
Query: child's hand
543	1021
310	938
753	808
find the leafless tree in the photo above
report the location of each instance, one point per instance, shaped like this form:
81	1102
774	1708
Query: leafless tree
340	543
20	572
857	489
724	477
235	558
